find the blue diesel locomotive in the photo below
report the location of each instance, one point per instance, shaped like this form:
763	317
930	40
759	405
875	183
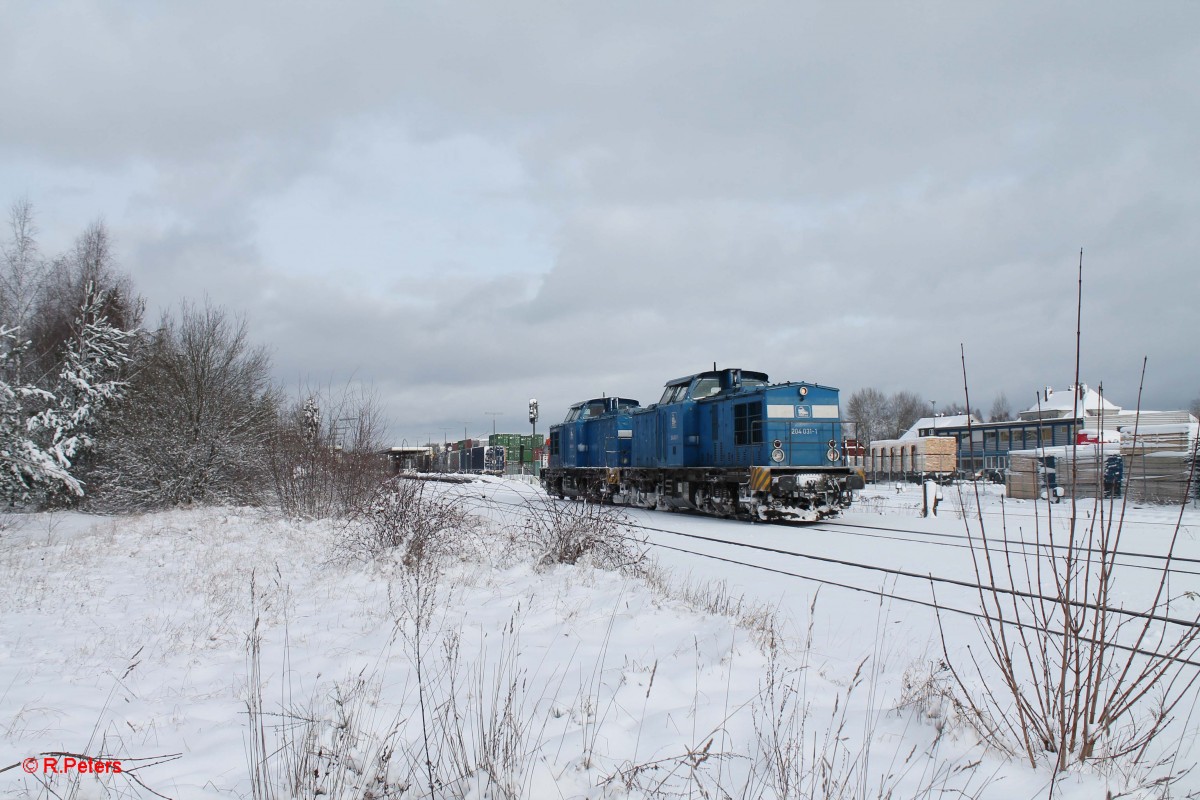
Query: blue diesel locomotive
724	442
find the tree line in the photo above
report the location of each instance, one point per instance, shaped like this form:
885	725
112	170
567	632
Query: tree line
876	416
100	410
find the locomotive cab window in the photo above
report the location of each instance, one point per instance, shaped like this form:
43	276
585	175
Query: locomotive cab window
747	424
673	394
706	387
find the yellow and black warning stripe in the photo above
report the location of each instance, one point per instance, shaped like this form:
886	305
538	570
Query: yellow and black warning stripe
760	479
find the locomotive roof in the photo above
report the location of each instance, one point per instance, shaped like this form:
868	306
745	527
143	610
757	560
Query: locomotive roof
620	401
716	373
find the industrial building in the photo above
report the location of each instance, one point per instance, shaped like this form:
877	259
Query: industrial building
1148	453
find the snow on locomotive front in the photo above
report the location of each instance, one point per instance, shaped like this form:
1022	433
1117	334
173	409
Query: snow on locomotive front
723	442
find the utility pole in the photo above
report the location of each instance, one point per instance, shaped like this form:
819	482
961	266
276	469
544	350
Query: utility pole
493	415
444	460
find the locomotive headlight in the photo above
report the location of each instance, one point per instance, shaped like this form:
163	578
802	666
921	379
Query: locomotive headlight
803	391
777	455
833	454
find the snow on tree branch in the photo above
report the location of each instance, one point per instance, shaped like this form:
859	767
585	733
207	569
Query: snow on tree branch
43	431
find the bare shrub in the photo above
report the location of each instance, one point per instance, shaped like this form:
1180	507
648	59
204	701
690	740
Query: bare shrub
1072	674
201	409
325	457
408	518
564	533
927	688
1082	677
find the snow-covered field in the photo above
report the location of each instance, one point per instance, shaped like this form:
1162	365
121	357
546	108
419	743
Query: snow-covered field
130	638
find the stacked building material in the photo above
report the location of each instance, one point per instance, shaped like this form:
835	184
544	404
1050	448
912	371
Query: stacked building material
1159	476
1159	438
1125	420
1087	470
940	456
1026	474
1158	459
912	459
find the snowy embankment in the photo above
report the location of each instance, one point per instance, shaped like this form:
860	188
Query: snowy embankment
188	643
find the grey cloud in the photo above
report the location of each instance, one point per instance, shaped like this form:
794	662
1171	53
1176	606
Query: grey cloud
472	203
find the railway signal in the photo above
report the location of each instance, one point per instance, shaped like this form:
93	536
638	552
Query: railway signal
533	415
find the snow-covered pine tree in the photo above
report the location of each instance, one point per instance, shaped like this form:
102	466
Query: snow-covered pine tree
44	431
25	467
90	380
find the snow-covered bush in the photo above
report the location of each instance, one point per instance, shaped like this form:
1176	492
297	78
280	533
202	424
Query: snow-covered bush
201	413
409	519
564	533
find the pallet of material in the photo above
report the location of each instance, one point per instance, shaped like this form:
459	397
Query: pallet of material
1159	476
940	456
926	455
1025	477
1081	470
1158	439
1128	419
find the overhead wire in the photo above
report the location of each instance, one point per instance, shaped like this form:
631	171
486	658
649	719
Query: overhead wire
918	576
900	573
840	525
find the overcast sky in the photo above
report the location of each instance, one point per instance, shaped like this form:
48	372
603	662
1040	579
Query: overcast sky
470	204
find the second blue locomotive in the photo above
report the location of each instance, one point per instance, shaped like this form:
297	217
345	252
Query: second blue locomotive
724	442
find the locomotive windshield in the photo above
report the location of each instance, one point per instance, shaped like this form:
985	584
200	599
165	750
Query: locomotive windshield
594	409
706	387
673	394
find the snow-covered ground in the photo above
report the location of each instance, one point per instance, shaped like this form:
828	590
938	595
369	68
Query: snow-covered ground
129	637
